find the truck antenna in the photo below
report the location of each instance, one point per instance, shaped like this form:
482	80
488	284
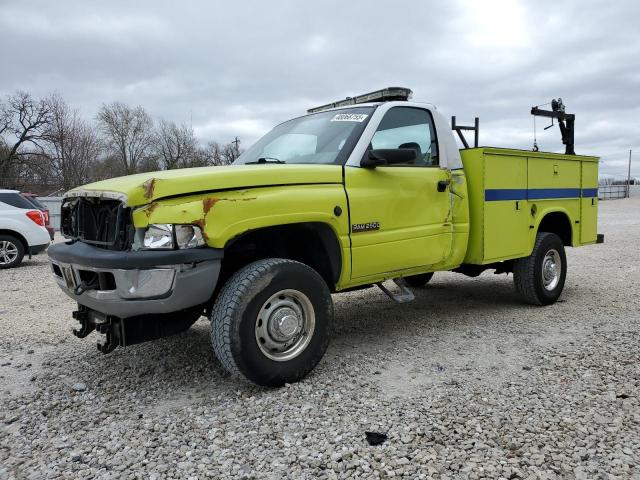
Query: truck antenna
566	122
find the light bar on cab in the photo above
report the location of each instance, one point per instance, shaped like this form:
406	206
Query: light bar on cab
385	95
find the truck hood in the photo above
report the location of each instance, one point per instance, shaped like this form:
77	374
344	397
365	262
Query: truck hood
144	188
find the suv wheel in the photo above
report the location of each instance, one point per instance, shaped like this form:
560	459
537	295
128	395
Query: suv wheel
539	278
11	251
271	321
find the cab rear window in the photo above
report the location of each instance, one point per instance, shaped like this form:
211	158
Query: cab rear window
16	200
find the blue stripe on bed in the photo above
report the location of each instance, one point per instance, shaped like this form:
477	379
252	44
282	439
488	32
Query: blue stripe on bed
497	194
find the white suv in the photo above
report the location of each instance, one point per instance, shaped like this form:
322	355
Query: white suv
22	229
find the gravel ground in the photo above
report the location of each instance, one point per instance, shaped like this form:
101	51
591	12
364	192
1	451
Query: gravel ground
466	381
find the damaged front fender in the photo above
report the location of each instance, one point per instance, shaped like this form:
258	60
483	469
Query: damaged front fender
225	215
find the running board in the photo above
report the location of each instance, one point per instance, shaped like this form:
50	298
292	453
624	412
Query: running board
404	296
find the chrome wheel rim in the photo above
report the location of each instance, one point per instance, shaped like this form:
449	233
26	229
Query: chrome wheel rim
551	269
285	325
8	252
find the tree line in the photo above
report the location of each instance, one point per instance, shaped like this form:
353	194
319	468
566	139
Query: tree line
618	181
46	145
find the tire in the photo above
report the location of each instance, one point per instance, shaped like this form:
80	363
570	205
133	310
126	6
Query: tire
246	335
420	280
530	281
11	251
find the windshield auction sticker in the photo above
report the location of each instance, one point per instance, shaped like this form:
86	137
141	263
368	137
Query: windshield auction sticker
349	117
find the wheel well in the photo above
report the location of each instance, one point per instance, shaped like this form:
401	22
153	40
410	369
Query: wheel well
314	244
18	236
558	223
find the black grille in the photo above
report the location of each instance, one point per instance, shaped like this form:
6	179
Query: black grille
101	222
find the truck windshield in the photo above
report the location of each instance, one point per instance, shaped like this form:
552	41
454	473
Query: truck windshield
320	138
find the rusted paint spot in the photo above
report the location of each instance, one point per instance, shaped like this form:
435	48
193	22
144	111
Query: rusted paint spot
216	200
149	210
201	223
208	203
148	187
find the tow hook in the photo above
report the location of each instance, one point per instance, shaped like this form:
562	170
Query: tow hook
106	326
86	326
108	343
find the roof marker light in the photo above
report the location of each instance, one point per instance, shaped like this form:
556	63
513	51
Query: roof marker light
385	95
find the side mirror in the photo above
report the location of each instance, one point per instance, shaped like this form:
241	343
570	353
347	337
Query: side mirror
388	156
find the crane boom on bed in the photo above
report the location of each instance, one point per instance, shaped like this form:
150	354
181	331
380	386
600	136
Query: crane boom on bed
566	122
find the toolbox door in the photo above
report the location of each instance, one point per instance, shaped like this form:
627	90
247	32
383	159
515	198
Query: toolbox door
589	203
506	211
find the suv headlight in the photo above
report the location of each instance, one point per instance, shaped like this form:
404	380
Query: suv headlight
168	236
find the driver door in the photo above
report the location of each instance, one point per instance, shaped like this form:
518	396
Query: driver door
400	215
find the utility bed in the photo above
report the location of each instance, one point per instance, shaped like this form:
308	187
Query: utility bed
510	191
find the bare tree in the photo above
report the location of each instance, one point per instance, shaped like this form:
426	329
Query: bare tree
5	118
231	151
175	145
23	123
128	134
217	154
150	163
200	158
74	147
213	153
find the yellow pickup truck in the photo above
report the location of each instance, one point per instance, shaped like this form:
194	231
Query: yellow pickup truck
352	194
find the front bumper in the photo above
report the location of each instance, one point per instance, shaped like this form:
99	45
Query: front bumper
128	284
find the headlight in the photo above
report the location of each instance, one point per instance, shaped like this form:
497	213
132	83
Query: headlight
168	236
159	235
188	236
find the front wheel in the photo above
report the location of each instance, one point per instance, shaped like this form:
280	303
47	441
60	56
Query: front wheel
539	278
271	321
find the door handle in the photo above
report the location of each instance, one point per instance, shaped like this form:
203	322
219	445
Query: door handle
443	184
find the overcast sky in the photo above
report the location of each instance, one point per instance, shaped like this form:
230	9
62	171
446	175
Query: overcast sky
240	67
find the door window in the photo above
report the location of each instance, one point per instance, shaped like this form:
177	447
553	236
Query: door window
408	127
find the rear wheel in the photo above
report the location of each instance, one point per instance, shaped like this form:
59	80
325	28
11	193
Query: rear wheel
11	251
539	278
271	321
419	280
